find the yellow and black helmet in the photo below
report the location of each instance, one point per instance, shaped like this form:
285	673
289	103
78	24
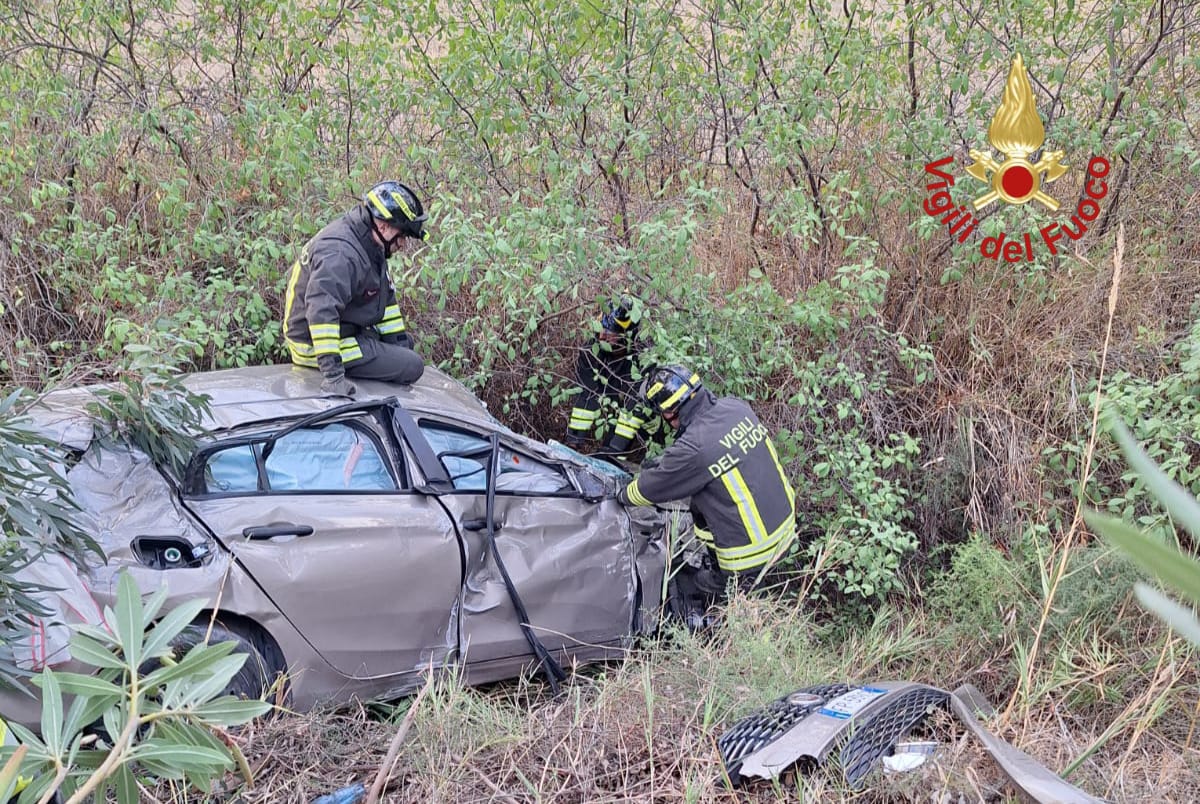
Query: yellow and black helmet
668	387
396	203
618	317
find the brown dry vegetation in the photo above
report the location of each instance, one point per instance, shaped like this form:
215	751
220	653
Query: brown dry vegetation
160	161
646	729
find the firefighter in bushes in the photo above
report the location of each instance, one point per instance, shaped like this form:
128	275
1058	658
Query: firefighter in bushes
723	459
340	311
603	371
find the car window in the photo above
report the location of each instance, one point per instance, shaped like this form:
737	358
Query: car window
334	457
232	470
464	455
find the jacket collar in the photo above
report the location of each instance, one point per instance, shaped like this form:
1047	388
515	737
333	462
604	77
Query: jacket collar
695	407
359	220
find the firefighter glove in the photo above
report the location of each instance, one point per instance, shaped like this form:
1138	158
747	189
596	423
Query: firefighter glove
338	387
335	382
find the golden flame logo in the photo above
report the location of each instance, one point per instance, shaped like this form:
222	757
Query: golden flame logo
1016	131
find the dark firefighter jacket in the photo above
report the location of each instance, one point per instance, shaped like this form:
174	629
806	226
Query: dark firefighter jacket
339	286
742	502
601	372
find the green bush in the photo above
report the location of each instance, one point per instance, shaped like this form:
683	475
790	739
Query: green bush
983	593
1178	571
1165	411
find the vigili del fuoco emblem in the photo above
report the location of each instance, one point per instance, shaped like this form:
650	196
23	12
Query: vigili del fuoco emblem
1017	132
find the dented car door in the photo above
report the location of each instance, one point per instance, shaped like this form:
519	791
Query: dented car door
570	557
326	521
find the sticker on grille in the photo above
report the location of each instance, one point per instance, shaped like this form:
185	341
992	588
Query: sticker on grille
874	737
873	719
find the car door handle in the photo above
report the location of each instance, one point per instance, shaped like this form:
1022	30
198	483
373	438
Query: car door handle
258	532
478	524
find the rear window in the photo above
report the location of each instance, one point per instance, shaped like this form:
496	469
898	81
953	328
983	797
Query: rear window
340	456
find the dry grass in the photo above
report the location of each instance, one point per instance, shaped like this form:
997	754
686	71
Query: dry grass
645	729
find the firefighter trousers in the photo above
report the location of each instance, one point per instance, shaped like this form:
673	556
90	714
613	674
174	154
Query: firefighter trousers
389	362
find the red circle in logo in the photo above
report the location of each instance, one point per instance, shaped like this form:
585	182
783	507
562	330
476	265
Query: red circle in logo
1017	181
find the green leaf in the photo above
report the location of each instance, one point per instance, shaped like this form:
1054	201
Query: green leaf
52	711
170	626
100	633
79	684
230	711
199	658
1180	618
125	786
1166	563
85	710
151	606
37	788
1182	507
186	732
127	619
25	737
195	692
89	651
115	720
181	757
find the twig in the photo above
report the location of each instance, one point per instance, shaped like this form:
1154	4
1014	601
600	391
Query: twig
557	313
217	604
385	770
495	788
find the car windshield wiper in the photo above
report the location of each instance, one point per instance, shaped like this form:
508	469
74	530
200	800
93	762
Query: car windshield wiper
332	413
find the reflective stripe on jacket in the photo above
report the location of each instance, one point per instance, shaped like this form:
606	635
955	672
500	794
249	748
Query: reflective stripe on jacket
338	286
724	460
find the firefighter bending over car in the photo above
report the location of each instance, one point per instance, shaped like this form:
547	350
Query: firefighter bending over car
603	371
723	459
340	313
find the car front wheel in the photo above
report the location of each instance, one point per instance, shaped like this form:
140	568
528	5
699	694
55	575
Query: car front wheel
251	681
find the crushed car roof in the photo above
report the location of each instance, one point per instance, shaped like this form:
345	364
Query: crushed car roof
254	393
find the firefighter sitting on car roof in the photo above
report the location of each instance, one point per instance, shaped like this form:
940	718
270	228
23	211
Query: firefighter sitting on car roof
741	501
604	371
340	313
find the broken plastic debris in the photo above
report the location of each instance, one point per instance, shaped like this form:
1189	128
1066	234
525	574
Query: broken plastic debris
902	763
926	747
805	699
860	724
347	795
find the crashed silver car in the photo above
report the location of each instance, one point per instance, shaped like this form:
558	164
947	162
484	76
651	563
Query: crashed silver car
354	544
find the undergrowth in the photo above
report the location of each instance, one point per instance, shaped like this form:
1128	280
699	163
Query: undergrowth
645	729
